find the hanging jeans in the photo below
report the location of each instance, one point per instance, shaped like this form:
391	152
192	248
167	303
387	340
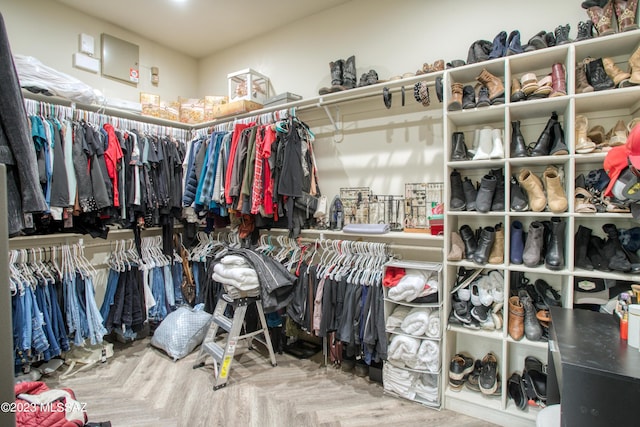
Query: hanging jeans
21	327
94	319
159	311
168	287
177	272
72	308
196	279
112	285
41	295
57	321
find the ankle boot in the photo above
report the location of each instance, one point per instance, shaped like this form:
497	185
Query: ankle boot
485	145
518	198
613	250
458	147
582	84
499	46
537	42
517	243
496	256
601	18
533	245
514	46
457	194
554	260
597	76
476	142
493	83
349	78
516	318
558	147
581	243
470	194
556	197
457	248
518	146
484	244
456	97
543	145
626	14
585	30
469	238
550	39
468	97
583	144
619	77
485	193
517	94
533	187
595	252
497	148
336	68
559	81
634	67
562	34
482	97
497	203
532	328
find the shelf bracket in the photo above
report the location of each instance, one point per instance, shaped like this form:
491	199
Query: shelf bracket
337	131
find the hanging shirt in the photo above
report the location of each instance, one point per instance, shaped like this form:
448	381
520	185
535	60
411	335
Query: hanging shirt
112	157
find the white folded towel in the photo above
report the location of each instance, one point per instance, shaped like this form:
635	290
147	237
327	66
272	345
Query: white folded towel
416	322
397	316
403	349
433	328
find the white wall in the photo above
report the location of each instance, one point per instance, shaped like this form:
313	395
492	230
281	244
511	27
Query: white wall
49	30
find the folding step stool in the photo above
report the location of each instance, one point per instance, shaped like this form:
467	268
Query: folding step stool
223	356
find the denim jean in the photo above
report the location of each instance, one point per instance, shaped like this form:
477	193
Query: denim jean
195	268
94	320
39	341
21	327
57	319
41	295
112	285
168	287
159	311
177	282
72	308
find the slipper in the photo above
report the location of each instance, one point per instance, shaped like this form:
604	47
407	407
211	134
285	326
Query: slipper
583	201
544	86
529	83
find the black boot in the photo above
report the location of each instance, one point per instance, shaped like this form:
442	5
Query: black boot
613	251
518	198
482	100
439	88
558	147
550	39
458	147
543	145
468	97
562	34
597	76
457	194
470	194
554	260
595	252
518	146
485	193
585	30
336	67
469	238
581	244
497	203
349	78
485	242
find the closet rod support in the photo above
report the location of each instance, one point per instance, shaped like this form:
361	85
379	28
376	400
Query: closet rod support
336	128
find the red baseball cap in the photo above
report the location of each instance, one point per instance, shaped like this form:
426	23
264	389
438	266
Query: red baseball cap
615	163
633	146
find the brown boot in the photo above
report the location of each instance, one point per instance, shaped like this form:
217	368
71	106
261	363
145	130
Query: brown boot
619	77
456	97
626	14
533	186
493	83
582	84
516	90
516	319
634	66
556	197
496	256
601	18
438	65
558	80
457	248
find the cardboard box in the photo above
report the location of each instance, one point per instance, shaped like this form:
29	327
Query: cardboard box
170	111
236	107
191	110
150	104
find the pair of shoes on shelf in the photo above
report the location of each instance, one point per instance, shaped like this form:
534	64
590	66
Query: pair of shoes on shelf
550	142
593	252
478	248
601	13
487	144
550	86
537	199
544	242
488	91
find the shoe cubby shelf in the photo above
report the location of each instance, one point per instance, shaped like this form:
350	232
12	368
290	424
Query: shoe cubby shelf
605	108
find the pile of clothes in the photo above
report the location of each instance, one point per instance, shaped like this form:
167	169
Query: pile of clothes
235	271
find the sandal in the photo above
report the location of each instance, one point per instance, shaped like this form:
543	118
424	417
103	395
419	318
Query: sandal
544	87
583	201
529	83
613	207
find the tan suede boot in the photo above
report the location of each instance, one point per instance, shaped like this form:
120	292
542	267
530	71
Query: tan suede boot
634	66
493	83
618	76
496	256
556	197
533	186
626	14
457	248
516	318
456	97
582	84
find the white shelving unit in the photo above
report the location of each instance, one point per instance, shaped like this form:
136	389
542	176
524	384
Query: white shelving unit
604	108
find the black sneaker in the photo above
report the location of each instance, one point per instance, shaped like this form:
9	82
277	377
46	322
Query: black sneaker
460	367
461	311
480	313
488	380
472	379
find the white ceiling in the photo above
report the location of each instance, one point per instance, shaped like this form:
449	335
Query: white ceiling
199	28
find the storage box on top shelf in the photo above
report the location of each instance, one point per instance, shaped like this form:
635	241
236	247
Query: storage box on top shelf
210	102
170	110
191	110
248	85
150	104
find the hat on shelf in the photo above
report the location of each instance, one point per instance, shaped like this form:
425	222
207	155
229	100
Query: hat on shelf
622	164
589	290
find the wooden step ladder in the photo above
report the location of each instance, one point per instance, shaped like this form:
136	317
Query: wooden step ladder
222	353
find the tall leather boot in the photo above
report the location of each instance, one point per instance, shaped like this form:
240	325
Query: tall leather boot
485	144
518	198
597	76
336	68
613	250
484	244
543	145
469	238
516	318
517	243
554	259
456	97
518	146
634	67
626	14
619	77
582	84
349	78
580	245
485	193
458	147
595	252
558	147
556	197
533	187
470	194
601	18
493	83
558	80
497	203
457	194
533	245
496	256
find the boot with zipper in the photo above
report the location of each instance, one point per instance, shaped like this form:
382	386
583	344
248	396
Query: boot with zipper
470	194
468	97
485	193
554	259
532	328
516	318
518	198
469	238
484	244
517	243
518	145
543	145
497	203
